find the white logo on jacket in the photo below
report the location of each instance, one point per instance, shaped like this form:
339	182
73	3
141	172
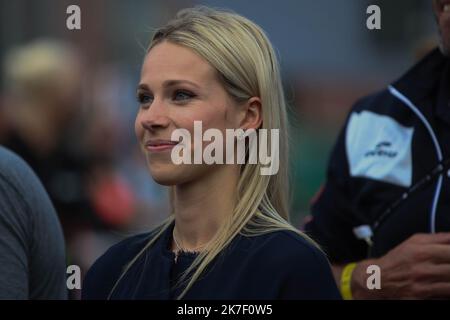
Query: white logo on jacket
379	148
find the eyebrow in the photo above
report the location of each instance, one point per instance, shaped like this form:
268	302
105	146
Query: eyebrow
169	83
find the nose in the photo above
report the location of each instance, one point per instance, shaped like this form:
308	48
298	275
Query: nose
155	117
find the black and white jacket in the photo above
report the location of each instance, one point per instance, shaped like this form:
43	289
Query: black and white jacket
389	169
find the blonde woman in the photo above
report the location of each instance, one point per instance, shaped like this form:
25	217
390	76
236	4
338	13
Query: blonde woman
228	236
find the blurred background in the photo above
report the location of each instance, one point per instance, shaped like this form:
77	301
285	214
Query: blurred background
67	97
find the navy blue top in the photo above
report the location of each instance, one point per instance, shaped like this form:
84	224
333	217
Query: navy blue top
276	265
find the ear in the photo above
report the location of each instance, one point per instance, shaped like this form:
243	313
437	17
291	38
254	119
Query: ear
251	114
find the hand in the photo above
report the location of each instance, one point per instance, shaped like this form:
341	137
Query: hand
418	268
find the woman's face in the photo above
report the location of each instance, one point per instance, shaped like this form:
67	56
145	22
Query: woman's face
178	87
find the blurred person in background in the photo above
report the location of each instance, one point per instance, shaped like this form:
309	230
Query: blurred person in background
43	111
32	256
228	236
67	143
386	201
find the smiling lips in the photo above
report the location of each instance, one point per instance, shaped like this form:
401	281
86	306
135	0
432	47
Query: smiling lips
160	145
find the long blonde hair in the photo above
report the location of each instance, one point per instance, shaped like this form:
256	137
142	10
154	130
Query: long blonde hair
247	66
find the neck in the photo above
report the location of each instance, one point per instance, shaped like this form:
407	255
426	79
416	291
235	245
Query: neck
202	206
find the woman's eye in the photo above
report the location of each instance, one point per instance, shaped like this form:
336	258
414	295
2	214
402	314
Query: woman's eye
144	98
183	95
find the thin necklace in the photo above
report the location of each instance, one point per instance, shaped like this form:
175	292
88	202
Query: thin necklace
181	249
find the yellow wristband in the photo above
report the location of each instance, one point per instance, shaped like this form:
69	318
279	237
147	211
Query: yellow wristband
346	279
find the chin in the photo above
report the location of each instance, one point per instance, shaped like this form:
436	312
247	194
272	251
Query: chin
169	174
164	175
